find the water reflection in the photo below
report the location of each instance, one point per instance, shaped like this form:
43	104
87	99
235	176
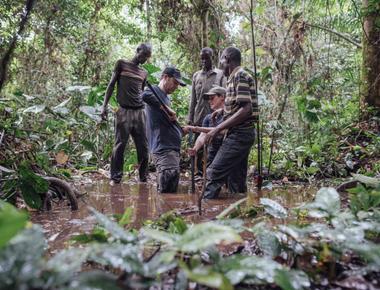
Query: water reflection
60	225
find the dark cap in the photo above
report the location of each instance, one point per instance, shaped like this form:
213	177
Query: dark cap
174	73
215	90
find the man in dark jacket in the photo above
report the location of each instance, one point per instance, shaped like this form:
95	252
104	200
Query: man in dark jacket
164	136
130	78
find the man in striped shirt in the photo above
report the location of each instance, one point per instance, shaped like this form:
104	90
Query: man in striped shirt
240	114
130	117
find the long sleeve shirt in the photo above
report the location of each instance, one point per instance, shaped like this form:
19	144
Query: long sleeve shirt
202	83
161	133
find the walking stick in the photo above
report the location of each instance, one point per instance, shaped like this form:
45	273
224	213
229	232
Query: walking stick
175	123
259	153
192	160
204	178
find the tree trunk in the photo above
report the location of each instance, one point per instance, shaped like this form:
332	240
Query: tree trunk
371	53
148	21
204	16
4	62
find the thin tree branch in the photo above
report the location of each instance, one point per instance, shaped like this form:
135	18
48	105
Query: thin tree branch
341	35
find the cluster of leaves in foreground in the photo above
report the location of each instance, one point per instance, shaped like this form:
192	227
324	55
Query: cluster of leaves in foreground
294	256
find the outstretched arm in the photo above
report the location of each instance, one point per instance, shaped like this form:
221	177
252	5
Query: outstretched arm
240	116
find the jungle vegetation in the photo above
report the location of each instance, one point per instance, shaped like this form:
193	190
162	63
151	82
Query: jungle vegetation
318	70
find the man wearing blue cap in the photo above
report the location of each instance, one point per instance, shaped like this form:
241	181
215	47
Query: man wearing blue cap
163	137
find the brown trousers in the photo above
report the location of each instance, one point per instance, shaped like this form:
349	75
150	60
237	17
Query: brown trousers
129	122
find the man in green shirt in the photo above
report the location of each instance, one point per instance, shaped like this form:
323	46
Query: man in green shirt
203	81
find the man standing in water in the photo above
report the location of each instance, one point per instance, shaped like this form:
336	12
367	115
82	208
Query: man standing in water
203	81
240	112
164	137
130	118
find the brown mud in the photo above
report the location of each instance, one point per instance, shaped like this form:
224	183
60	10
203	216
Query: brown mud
61	224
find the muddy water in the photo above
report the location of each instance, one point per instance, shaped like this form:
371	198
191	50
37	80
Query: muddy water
60	224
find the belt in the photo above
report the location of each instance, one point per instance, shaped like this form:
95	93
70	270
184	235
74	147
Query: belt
131	107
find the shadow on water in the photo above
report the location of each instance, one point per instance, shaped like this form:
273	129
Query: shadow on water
60	225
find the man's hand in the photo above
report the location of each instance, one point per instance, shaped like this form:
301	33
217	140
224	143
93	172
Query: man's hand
192	151
187	129
103	114
211	135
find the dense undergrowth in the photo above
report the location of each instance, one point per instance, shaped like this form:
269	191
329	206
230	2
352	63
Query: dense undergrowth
318	245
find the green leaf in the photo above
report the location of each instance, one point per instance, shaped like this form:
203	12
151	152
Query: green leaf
12	221
202	236
94	280
292	280
127	217
113	228
126	257
32	186
161	236
206	276
91	112
250	270
34	109
326	203
178	226
369	181
97	235
266	240
273	208
21	260
64	265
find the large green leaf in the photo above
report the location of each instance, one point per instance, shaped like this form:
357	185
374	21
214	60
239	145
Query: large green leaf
206	276
161	236
113	228
326	203
32	186
64	265
250	270
11	222
94	280
369	181
21	260
273	208
292	280
202	236
267	240
126	257
196	238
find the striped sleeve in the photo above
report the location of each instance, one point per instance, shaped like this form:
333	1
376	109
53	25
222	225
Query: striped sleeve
243	88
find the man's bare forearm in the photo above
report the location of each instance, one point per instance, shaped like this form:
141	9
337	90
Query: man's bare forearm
240	116
201	140
109	90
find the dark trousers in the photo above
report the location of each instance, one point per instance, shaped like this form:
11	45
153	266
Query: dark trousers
230	163
129	122
167	166
199	158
